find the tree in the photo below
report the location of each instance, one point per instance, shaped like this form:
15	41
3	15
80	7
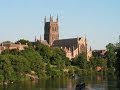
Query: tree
8	72
7	42
81	61
22	41
20	64
44	51
117	66
48	69
36	61
12	52
60	54
111	56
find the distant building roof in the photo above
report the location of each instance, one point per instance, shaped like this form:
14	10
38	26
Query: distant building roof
10	46
99	52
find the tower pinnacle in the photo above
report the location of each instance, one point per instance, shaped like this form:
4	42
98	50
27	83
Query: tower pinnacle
35	39
45	19
50	18
57	19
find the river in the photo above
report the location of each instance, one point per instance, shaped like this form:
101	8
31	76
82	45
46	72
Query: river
92	83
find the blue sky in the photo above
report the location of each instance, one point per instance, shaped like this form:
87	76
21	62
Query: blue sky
99	20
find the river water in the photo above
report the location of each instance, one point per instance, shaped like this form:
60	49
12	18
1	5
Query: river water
92	83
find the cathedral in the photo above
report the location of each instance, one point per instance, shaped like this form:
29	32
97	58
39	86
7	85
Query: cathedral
72	46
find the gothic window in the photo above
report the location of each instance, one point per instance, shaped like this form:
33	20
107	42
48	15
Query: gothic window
55	29
52	28
82	48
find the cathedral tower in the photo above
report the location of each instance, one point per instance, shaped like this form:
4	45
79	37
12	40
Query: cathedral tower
51	30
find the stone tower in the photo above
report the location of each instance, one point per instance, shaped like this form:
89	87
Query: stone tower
51	30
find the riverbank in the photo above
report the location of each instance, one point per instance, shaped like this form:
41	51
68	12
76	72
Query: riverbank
73	72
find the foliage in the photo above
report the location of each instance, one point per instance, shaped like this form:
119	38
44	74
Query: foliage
7	42
37	57
98	61
6	68
118	62
60	56
13	51
35	60
22	41
44	51
48	61
81	61
111	55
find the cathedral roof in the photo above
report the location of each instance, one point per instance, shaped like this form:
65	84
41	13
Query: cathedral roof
66	42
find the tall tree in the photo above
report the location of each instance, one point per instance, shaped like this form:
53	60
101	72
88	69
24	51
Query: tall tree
81	61
36	61
111	55
6	68
44	51
118	63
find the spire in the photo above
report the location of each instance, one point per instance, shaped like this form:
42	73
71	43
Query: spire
78	38
35	39
73	48
2	44
57	19
50	18
45	19
69	49
90	48
40	38
85	39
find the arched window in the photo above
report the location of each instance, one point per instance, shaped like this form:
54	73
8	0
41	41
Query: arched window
82	48
55	29
52	28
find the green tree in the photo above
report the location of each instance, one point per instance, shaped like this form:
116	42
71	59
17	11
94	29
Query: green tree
111	55
22	41
117	66
61	56
13	51
36	61
81	61
1	74
44	51
98	62
48	69
8	72
20	65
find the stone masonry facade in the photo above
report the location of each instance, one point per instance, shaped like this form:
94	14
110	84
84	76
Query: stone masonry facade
72	46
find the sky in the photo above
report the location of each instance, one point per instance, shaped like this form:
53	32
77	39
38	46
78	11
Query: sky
98	20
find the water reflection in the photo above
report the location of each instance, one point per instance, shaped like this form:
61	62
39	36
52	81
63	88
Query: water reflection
100	82
97	82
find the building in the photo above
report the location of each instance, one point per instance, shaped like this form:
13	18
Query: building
51	30
99	53
72	46
44	42
11	46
